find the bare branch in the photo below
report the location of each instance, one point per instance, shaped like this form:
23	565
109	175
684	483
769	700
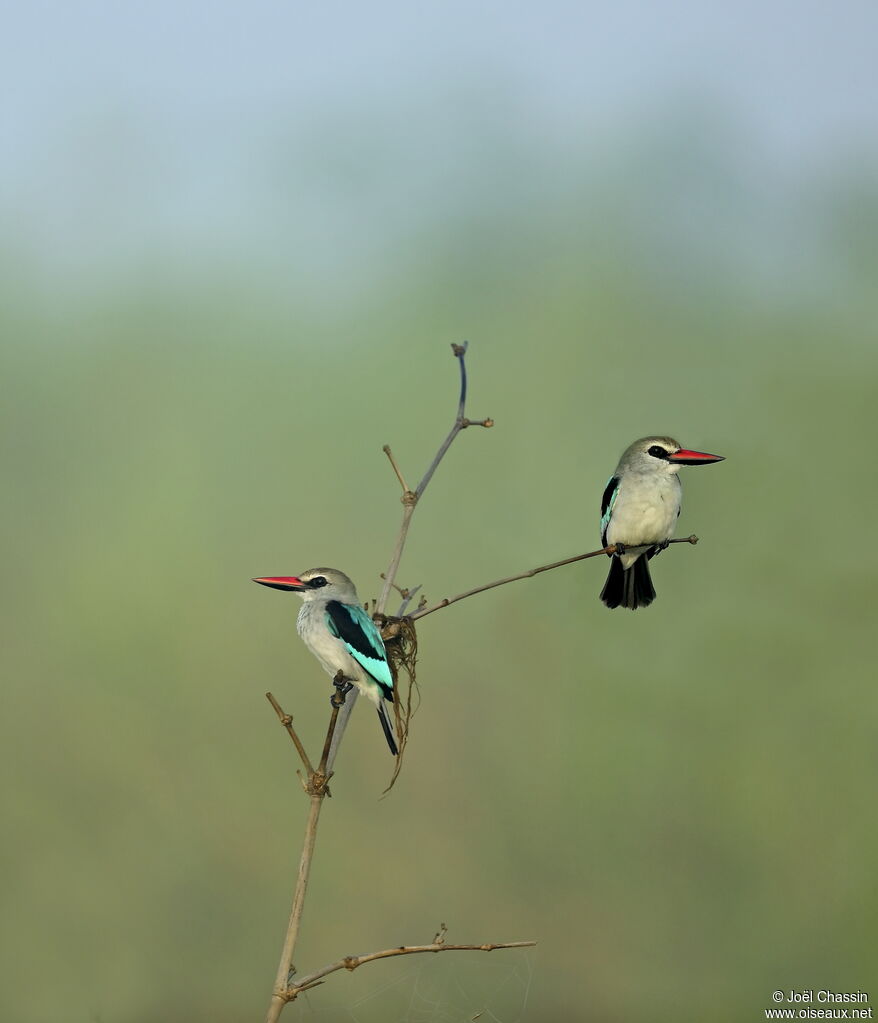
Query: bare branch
282	979
351	963
410	498
317	788
408	596
396	468
344	715
343	688
459	353
420	612
287	721
395	559
460	423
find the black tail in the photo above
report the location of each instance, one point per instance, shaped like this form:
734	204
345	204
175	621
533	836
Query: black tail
388	730
628	587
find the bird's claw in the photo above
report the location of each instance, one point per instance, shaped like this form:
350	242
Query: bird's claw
620	548
342	687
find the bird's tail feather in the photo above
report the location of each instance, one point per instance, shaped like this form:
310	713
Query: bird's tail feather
628	587
388	729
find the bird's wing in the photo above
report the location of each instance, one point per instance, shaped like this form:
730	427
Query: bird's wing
607	502
360	635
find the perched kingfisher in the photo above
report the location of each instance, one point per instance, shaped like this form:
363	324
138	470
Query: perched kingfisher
335	627
639	511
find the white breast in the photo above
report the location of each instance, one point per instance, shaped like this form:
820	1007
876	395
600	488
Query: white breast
645	511
331	651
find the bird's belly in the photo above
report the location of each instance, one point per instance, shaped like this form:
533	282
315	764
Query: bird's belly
643	522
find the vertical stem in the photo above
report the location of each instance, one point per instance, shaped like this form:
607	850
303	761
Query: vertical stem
390	574
281	982
411	499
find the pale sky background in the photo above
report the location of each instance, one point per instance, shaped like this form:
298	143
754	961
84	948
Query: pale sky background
167	131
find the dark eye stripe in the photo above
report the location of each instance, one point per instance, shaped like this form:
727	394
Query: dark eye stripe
317	582
658	452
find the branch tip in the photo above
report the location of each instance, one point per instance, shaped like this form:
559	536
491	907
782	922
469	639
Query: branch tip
422	609
351	963
411	497
396	469
287	721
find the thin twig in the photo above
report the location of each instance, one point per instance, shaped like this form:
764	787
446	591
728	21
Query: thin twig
407	597
407	594
344	715
410	498
287	721
330	731
611	549
396	468
403	591
343	688
460	423
317	787
390	574
351	963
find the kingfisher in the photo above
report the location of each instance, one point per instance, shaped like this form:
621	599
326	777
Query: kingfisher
336	628
639	511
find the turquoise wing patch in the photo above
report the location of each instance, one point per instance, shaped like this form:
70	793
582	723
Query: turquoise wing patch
360	635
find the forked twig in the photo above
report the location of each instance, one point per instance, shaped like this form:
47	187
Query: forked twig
410	498
317	788
317	780
407	597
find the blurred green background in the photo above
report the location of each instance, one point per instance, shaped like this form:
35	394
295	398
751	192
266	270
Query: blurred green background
236	248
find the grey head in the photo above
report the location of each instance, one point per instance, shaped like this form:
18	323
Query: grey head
316	584
662	455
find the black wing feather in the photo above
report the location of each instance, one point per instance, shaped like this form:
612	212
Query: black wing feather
606	500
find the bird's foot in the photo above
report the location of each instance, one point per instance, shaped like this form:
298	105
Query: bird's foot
342	687
663	546
620	548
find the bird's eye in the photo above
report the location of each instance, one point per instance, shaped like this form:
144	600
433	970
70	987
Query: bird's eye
657	452
317	582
